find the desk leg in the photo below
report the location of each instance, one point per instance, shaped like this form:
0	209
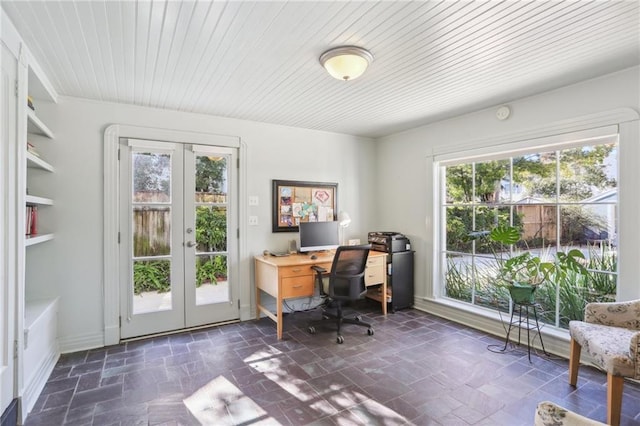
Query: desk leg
257	303
384	294
279	317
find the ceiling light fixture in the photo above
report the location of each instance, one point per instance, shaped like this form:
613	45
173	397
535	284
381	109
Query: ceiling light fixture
346	62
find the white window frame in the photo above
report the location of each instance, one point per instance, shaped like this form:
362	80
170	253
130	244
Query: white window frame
602	135
628	122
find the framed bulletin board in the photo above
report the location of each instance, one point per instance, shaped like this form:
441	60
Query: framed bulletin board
300	201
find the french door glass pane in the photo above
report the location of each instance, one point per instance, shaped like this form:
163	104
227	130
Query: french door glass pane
211	279
151	231
151	226
211	200
152	285
151	177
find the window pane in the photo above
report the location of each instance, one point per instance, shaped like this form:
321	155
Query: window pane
582	224
487	293
602	261
588	173
151	177
151	286
538	224
488	181
459	184
486	219
459	226
151	231
534	178
458	277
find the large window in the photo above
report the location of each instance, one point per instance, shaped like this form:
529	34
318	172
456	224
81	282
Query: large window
560	197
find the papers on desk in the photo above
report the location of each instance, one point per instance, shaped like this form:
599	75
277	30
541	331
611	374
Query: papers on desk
279	253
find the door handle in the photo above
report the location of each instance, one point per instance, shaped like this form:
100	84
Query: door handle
191	243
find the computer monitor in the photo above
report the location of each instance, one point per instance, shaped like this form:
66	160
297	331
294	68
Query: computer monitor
315	236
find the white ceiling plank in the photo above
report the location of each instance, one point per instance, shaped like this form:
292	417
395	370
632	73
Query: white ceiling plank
259	60
180	14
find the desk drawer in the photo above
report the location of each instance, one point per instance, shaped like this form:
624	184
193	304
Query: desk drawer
375	261
297	286
295	271
374	272
373	275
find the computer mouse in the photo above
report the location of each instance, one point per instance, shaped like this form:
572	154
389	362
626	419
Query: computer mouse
313	257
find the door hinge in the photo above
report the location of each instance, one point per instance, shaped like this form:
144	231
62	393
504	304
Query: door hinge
15	349
118	237
238	232
238	304
118	154
120	321
16	81
237	163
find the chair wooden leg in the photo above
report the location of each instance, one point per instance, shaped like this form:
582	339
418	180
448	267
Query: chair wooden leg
614	398
574	362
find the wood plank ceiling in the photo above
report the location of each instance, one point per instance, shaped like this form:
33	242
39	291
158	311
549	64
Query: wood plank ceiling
259	60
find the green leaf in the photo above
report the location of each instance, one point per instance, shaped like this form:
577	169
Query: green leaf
505	234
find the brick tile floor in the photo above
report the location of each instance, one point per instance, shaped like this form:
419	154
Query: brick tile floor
416	369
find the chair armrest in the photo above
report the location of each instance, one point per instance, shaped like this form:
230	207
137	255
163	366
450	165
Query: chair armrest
615	314
319	269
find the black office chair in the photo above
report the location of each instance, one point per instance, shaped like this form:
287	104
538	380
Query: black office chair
344	283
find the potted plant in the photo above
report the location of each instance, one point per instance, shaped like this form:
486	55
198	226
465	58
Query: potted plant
522	273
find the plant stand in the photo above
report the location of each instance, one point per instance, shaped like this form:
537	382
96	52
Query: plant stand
524	324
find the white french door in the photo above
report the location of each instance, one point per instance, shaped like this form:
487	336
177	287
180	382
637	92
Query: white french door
178	254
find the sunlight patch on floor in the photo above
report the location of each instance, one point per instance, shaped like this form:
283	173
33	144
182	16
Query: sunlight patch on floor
220	403
360	409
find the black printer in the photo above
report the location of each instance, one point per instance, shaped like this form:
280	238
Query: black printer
389	242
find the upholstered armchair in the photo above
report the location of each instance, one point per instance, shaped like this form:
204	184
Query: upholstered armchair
550	414
610	333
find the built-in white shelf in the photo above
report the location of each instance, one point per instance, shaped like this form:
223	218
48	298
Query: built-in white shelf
36	126
34	310
34	161
41	201
31	240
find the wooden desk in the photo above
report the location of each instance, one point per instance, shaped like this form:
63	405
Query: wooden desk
291	276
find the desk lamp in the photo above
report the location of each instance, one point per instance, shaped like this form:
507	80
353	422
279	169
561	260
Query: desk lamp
345	220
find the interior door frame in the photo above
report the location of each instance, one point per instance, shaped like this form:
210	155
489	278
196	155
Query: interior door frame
112	136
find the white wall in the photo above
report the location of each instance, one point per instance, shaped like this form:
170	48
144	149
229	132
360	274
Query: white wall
73	268
383	184
408	194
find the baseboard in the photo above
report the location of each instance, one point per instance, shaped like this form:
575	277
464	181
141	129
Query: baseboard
555	341
33	389
81	342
